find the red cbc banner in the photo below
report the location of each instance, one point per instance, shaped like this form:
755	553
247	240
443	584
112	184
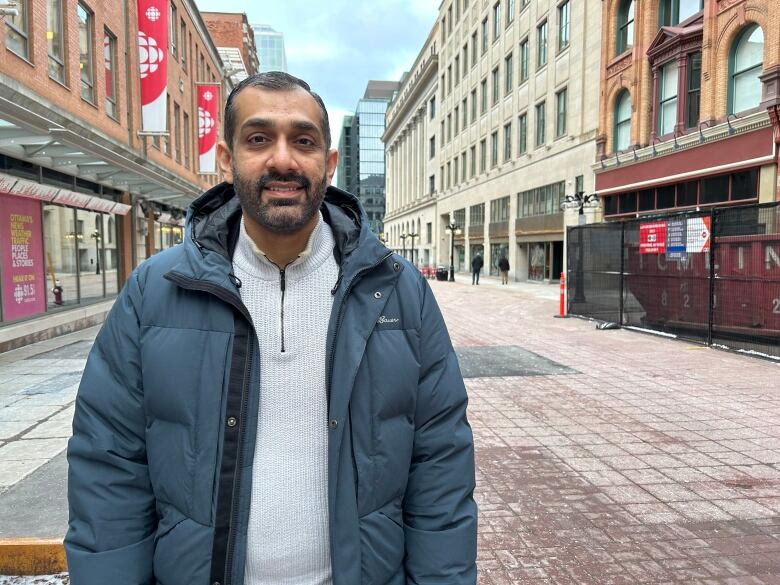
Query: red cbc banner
21	248
208	99
153	63
652	238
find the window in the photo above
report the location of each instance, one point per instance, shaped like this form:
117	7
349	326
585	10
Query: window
746	65
109	44
494	149
482	155
449	20
432	107
541	44
183	37
449	79
86	61
449	127
507	141
477	214
465	110
432	147
693	102
667	107
443	86
524	61
495	84
173	33
463	166
623	121
522	134
431	184
483	96
474	49
16	30
442	137
187	140
625	38
455	171
579	184
544	200
55	41
540	124
560	113
465	59
496	20
473	163
508	68
485	36
673	12
177	146
510	12
449	175
563	26
457	70
428	233
167	140
473	105
456	116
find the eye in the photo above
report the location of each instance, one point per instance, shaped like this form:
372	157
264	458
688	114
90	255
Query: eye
257	139
305	142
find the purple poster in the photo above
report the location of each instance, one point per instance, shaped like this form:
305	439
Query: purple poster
21	248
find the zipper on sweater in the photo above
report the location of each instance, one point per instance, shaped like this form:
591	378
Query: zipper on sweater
332	343
283	286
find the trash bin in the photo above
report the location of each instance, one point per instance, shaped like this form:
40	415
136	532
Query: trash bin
441	273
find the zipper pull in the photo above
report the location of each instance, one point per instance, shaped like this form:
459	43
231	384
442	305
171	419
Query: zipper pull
338	282
282	280
235	280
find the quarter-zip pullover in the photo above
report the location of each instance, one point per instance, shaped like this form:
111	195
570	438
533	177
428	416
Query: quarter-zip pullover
290	306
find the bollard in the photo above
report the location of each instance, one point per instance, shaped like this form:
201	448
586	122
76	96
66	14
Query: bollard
562	306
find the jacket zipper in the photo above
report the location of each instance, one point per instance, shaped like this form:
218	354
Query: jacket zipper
220	293
350	284
283	286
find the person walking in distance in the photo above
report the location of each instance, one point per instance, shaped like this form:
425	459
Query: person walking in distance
503	268
276	400
476	266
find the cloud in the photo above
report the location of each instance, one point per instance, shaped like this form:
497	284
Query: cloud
313	50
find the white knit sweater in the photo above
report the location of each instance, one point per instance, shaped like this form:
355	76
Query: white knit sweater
288	540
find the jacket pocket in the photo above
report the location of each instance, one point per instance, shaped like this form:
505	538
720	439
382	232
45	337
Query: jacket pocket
382	545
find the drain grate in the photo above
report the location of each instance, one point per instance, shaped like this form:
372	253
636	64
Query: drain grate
506	361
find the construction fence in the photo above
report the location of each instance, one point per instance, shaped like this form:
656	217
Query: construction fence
710	276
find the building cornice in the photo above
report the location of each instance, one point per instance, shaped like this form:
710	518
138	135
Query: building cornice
409	95
427	201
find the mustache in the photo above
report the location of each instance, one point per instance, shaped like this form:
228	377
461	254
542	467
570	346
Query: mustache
274	177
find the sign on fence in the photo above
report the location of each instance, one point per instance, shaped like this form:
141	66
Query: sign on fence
652	237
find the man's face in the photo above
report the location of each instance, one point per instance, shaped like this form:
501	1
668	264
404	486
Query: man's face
279	164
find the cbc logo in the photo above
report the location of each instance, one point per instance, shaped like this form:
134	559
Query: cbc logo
149	55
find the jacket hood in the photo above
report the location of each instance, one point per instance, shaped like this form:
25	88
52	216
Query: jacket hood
213	221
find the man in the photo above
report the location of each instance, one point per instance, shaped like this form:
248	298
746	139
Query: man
476	266
503	268
277	400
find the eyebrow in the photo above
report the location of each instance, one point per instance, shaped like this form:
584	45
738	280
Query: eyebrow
264	123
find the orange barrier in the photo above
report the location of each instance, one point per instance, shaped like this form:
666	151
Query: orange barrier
562	306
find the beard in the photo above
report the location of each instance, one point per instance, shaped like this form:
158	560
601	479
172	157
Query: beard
279	215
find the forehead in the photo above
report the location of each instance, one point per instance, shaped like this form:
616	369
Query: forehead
277	105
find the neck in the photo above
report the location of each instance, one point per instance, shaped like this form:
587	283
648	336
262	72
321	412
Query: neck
280	248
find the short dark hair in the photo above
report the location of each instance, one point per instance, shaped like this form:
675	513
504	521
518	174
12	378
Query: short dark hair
273	81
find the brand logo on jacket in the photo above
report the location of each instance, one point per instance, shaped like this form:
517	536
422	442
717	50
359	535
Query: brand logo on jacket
384	319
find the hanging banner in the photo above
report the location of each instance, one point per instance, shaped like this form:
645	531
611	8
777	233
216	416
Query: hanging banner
208	99
153	62
21	248
698	235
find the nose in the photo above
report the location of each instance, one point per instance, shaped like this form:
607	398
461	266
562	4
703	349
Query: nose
283	158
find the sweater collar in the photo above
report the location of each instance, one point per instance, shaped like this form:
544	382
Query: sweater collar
252	260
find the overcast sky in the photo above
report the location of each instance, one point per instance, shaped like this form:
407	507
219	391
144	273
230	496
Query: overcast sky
338	45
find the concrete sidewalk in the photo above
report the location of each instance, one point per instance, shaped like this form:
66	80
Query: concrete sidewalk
603	457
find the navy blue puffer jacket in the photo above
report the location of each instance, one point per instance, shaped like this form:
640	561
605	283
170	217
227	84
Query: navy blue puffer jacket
159	482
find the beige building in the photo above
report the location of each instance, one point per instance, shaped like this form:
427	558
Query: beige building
515	117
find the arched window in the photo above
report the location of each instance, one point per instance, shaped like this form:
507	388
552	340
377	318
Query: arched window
623	121
746	63
673	12
625	36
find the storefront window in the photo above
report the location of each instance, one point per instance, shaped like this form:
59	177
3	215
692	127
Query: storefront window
60	243
89	226
497	251
536	262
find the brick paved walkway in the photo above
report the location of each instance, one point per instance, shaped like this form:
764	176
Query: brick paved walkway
658	462
643	460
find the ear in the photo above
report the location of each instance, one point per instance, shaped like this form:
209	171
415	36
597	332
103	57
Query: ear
224	160
331	161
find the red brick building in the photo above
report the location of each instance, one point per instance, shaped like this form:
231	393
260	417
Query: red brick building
84	196
690	104
235	42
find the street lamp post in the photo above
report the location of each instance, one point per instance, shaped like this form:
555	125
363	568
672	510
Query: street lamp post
411	248
580	201
403	243
96	236
453	228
